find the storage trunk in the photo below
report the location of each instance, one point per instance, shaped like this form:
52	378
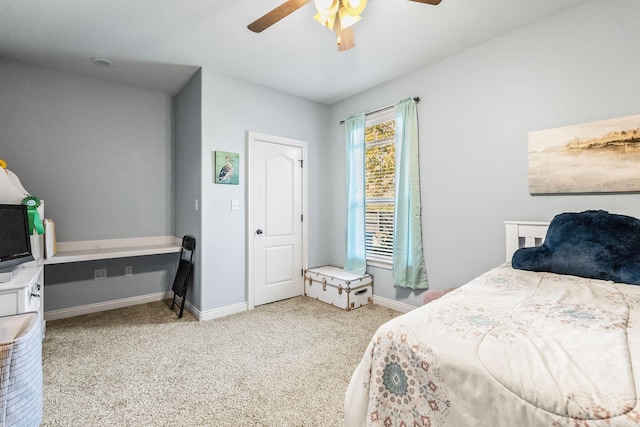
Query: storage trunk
337	287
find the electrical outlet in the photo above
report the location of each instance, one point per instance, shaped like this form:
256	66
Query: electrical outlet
100	274
128	270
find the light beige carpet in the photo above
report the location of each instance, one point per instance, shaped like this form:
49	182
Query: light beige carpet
281	364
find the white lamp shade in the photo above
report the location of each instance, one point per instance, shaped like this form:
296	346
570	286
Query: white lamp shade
327	7
354	7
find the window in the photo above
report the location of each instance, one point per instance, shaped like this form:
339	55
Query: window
380	152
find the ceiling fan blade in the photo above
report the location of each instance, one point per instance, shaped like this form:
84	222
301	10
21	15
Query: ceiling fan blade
346	40
432	2
276	14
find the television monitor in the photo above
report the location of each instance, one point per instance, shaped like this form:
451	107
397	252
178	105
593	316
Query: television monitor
15	241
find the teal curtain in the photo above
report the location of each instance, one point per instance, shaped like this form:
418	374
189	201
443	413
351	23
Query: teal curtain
409	270
355	254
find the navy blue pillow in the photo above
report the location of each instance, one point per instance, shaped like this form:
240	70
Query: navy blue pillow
592	244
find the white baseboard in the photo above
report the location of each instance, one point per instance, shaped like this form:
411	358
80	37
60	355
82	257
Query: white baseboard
200	315
220	312
392	304
108	305
126	302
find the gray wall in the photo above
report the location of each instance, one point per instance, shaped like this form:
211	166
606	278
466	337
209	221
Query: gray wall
230	108
188	159
92	149
578	66
100	155
72	285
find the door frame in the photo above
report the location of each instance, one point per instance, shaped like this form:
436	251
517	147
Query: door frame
253	138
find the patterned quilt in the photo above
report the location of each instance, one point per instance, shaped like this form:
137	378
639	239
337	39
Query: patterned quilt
510	348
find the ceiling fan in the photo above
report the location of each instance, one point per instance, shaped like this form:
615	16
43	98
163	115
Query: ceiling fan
337	15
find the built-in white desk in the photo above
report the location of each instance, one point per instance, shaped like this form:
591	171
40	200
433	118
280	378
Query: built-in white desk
90	250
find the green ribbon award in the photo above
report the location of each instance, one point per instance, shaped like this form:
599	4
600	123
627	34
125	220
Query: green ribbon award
33	203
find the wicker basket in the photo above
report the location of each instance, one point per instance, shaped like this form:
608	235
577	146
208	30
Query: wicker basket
21	370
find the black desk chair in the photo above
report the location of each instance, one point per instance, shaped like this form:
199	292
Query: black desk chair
183	275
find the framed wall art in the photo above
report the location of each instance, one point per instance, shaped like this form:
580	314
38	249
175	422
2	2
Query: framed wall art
226	167
597	157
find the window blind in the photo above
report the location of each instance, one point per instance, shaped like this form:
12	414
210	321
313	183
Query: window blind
379	187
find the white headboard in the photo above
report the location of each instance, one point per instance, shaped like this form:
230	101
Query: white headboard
523	234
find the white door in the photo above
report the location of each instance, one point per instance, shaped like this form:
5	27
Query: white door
276	218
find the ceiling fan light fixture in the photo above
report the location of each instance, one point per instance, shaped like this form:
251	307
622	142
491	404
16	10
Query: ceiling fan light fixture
338	30
325	21
344	35
327	8
347	20
338	15
354	7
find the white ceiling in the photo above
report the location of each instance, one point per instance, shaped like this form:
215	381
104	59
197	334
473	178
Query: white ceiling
158	44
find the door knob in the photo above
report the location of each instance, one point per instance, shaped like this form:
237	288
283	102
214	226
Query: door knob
258	231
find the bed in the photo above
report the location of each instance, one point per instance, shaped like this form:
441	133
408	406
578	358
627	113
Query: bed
554	342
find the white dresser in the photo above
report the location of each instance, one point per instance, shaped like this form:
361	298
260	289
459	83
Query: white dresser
25	292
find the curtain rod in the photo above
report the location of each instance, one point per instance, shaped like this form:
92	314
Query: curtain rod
417	99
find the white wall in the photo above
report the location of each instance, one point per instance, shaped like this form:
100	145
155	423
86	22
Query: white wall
230	108
578	66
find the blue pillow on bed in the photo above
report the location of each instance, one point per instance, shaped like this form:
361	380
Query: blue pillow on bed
592	244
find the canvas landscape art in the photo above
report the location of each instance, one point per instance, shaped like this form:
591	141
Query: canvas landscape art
597	157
